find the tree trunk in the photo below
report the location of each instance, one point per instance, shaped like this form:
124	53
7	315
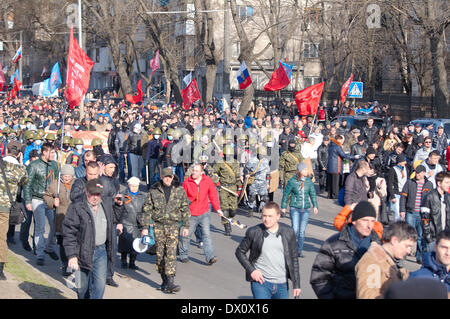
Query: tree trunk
210	76
121	69
439	75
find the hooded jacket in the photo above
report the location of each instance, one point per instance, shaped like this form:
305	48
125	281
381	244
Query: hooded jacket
199	194
433	270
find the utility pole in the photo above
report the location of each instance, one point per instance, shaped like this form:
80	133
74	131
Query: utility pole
80	41
21	59
226	54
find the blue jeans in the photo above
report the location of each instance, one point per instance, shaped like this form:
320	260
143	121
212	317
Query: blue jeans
205	221
299	220
179	171
395	207
268	290
152	170
413	219
40	212
91	283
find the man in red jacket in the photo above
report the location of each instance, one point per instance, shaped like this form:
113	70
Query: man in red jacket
200	190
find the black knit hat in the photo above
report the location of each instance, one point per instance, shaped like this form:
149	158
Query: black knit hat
363	209
370	150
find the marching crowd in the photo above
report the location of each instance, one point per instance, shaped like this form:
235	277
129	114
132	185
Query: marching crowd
392	181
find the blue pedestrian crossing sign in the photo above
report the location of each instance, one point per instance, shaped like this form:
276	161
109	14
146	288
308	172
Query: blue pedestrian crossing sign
355	90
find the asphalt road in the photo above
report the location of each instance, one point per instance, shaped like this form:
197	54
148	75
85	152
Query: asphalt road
198	280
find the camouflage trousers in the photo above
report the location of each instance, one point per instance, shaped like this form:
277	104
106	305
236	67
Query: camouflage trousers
4	225
228	200
166	241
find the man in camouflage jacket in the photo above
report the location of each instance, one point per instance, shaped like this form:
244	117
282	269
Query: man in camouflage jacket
16	175
166	206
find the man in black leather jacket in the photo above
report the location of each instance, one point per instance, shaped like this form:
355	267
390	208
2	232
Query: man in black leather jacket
433	218
322	160
268	274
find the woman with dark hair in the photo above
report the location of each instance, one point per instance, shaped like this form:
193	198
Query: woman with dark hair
301	189
380	136
390	142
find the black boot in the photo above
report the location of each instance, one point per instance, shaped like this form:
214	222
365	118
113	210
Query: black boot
171	287
132	262
2	275
123	259
164	282
227	229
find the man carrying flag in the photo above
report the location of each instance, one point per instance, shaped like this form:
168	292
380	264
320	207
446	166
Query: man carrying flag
243	77
190	94
279	79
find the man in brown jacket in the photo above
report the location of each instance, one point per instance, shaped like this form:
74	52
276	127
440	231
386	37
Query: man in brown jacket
60	204
381	266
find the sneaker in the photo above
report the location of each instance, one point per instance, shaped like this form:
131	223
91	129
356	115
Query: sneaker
300	254
40	262
212	261
184	260
200	244
52	255
26	246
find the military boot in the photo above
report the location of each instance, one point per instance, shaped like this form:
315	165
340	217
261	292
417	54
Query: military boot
133	262
170	286
227	229
2	275
164	282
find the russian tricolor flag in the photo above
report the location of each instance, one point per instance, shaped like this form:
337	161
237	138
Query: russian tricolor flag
18	55
243	76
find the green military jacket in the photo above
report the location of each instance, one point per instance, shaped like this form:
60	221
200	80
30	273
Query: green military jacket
289	162
228	172
40	176
157	210
16	175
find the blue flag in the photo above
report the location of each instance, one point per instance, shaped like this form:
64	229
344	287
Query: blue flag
15	75
287	69
55	79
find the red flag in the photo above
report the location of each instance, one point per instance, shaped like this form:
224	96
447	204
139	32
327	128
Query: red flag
308	99
345	87
79	67
2	77
155	63
278	81
190	94
134	99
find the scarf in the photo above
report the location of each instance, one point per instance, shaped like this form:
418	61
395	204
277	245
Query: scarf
361	244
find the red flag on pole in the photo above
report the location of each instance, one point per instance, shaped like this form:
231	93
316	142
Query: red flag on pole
278	81
155	63
345	87
79	67
2	77
190	94
134	99
308	99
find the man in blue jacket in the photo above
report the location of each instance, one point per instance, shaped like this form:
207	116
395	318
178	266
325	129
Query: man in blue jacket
436	264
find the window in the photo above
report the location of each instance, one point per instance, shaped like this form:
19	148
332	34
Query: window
311	50
235	50
310	80
245	12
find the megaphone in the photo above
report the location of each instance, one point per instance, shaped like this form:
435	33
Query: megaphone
141	245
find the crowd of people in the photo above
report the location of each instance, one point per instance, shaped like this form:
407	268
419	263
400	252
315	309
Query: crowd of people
392	181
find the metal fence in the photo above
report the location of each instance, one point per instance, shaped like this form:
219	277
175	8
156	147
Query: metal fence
404	108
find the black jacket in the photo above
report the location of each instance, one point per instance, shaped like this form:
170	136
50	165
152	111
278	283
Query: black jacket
333	272
409	192
253	241
393	183
133	144
358	149
79	232
370	133
322	157
430	213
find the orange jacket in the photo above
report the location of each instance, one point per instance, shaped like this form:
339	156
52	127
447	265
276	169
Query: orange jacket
344	218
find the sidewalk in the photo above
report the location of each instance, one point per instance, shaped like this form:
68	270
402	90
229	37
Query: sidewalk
27	281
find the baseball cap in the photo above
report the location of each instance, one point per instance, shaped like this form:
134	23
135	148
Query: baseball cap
94	186
167	172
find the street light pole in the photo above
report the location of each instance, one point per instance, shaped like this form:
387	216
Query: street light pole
226	54
21	59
